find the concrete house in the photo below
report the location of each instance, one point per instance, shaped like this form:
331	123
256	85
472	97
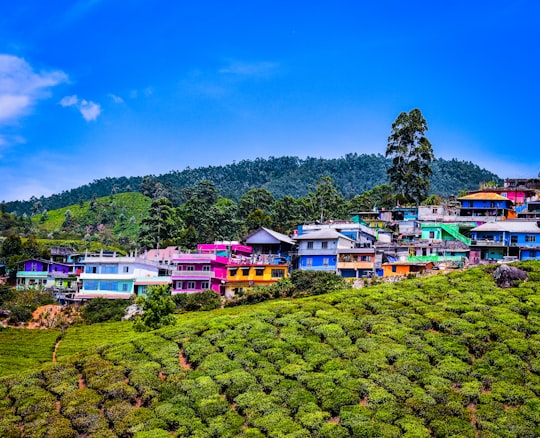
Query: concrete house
513	238
318	250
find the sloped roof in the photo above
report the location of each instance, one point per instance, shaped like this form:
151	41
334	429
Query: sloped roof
278	236
509	226
485	196
324	234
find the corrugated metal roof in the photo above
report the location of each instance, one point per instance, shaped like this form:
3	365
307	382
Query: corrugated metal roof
509	226
325	234
276	235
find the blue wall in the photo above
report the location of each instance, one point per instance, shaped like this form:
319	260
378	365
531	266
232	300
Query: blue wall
317	263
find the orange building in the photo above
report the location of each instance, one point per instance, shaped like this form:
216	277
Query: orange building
396	269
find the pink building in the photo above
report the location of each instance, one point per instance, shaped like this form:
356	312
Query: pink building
207	268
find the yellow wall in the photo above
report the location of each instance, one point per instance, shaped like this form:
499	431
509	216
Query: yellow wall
248	273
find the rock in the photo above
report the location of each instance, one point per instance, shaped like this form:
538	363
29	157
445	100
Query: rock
506	275
132	311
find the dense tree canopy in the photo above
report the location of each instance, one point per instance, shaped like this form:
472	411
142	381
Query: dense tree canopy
281	176
411	154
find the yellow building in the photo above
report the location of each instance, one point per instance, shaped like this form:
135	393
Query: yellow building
242	276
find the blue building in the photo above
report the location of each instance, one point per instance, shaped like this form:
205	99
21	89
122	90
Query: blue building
515	238
318	250
490	205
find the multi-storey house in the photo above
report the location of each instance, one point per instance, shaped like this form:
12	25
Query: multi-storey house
260	270
270	242
512	238
111	276
356	262
318	250
40	274
486	207
207	268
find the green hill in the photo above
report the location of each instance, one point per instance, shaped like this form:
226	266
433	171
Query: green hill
282	176
107	219
450	355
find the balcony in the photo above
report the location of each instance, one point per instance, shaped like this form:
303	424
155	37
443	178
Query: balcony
56	274
190	274
355	265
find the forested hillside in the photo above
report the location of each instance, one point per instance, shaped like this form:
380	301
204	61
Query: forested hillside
450	355
353	174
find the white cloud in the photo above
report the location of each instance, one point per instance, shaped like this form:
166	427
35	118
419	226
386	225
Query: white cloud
89	110
237	68
69	100
21	87
115	98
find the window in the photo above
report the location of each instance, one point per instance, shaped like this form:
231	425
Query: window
205	285
191	285
530	238
432	234
245	272
190	268
513	239
325	261
206	268
91	269
394	268
125	269
434	211
324	245
179	285
125	287
233	271
109	269
310	245
309	261
259	272
109	285
278	273
90	285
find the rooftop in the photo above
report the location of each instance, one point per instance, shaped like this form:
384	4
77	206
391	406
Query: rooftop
484	196
514	226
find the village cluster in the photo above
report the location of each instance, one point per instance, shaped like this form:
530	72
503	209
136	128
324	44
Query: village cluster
487	226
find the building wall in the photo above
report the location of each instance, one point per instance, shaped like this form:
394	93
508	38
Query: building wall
530	254
317	263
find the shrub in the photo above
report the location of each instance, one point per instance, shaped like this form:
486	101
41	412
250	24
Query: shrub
102	310
205	300
316	282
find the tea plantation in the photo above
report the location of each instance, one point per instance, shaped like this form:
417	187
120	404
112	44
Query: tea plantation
450	355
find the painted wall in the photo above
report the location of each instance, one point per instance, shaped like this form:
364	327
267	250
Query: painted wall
530	254
317	263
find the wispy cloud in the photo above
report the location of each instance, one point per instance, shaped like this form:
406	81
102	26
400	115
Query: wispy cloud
256	69
88	109
115	98
21	87
146	92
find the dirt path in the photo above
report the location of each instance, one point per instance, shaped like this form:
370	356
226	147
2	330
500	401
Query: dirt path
184	364
82	381
56	349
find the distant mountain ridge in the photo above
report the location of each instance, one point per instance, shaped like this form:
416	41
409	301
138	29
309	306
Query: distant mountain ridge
353	174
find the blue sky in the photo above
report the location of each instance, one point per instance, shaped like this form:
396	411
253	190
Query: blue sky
98	88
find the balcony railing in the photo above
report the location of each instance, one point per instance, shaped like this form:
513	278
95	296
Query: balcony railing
205	274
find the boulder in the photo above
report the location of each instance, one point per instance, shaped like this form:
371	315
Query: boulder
506	275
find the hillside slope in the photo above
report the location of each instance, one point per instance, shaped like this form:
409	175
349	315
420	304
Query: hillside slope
118	215
450	355
282	176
